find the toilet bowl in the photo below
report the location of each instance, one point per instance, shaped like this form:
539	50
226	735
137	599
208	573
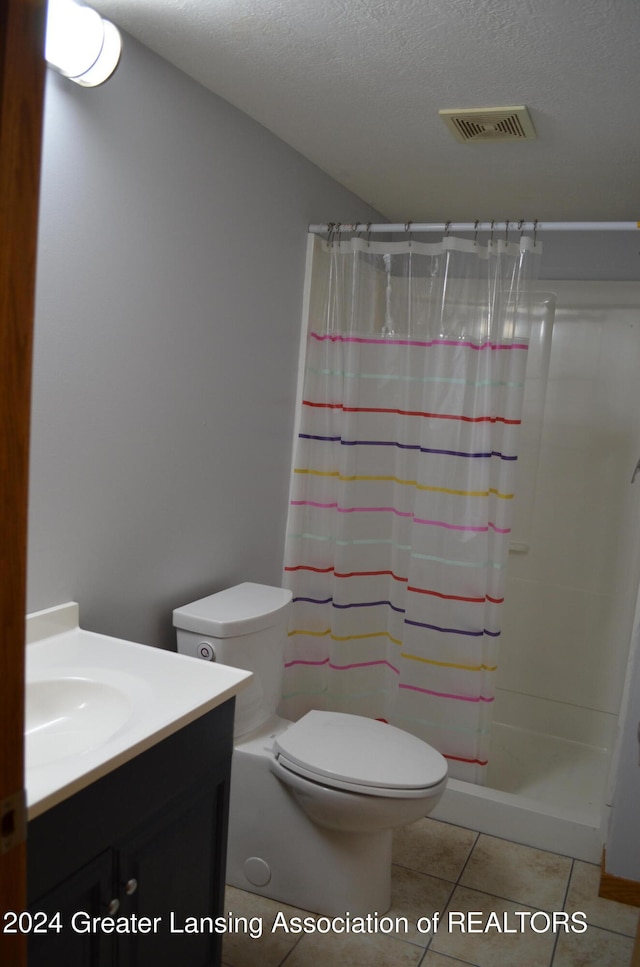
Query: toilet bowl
313	803
355	774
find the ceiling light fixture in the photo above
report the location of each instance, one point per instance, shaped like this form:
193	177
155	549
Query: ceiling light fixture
81	45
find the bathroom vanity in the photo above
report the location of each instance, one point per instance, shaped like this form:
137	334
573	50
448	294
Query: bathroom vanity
146	841
126	856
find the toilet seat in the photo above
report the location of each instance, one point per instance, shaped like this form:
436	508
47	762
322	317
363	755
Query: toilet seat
360	755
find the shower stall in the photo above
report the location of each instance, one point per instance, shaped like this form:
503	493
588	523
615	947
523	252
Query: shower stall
572	579
572	585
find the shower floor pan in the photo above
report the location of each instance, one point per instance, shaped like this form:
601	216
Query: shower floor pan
542	791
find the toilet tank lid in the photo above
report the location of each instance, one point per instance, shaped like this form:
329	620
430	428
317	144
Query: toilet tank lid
235	611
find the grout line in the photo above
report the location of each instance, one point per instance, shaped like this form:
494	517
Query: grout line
505	839
468	859
564	907
498	896
442	912
616	933
568	886
431	876
289	952
454	960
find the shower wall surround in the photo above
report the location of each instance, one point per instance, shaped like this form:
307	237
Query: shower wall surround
570	599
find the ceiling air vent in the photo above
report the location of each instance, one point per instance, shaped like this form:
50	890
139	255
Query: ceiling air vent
489	124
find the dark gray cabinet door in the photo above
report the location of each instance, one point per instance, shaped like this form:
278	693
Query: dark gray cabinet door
52	939
167	873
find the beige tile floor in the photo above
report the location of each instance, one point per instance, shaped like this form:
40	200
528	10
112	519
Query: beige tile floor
505	892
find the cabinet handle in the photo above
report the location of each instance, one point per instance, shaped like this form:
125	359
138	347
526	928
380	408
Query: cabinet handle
114	906
131	886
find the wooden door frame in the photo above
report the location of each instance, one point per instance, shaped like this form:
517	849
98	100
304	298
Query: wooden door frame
22	70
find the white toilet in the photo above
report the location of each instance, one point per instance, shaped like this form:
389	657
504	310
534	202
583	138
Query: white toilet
313	802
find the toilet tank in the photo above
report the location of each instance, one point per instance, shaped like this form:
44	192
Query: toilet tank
246	627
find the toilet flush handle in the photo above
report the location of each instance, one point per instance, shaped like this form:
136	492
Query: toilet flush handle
206	652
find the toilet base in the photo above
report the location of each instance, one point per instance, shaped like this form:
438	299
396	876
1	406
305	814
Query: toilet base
276	851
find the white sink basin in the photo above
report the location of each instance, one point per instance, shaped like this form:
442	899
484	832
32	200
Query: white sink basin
66	716
94	702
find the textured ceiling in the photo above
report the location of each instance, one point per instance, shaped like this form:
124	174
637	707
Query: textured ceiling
356	85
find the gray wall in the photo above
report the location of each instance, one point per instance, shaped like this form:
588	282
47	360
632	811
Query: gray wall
579	256
169	296
610	256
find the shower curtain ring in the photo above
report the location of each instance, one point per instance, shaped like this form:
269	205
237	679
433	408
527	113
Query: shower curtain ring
535	231
407	228
491	232
475	231
338	230
330	232
447	226
521	227
368	234
506	232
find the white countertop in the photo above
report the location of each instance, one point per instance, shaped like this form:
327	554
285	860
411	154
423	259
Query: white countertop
123	697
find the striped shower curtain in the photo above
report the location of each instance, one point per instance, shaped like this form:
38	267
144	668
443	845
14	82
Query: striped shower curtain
403	484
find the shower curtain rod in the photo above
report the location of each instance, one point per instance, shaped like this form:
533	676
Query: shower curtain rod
495	226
